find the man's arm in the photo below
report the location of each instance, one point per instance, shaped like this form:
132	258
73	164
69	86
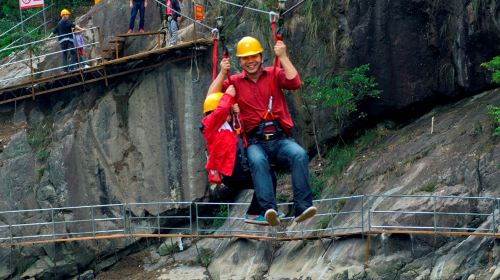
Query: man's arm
131	4
280	51
145	3
216	85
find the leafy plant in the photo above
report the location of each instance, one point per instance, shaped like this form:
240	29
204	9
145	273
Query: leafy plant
493	66
494	111
342	93
427	187
204	256
220	217
323	222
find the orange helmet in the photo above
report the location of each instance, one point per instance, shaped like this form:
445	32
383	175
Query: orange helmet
248	46
65	12
212	101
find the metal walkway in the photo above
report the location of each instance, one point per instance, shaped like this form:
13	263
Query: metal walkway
368	214
107	63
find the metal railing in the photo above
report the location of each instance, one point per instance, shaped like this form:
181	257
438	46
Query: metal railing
360	214
92	46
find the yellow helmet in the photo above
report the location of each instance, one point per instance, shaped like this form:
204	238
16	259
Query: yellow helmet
248	46
65	12
212	101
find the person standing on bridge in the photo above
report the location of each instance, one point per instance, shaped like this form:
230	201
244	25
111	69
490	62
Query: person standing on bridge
64	29
267	123
137	6
172	11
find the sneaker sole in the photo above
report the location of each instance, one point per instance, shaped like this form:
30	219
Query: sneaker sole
309	213
265	223
272	218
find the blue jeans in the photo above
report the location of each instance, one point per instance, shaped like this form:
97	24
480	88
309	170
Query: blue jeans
284	152
68	49
137	6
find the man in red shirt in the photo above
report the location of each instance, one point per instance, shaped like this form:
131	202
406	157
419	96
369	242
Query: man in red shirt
267	123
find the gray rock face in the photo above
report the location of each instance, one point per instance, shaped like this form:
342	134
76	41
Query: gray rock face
134	144
453	159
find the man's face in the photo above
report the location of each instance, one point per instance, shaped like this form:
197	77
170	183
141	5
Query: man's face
251	64
66	17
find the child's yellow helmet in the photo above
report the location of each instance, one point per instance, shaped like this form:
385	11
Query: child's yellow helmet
212	101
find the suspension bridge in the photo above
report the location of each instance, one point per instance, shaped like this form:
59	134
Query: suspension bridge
360	215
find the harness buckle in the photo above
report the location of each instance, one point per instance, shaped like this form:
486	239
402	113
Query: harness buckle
268	137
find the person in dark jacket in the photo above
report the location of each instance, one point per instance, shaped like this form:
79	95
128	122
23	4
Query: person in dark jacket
137	6
172	12
64	30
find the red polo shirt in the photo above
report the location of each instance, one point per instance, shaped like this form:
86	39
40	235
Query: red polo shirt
253	97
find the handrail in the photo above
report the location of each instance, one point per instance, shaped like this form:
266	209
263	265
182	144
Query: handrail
90	44
45	39
325	223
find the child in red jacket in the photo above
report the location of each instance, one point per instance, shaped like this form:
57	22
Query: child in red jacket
223	144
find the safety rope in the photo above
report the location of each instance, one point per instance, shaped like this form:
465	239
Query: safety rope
278	36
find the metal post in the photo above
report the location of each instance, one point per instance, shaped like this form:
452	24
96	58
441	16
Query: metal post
228	215
44	22
190	220
22	21
93	220
434	210
53	224
197	220
362	216
158	218
30	52
369	218
124	219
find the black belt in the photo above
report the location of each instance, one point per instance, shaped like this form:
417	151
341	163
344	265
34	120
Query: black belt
265	136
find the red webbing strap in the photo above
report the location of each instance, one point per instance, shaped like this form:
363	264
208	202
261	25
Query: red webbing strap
276	64
214	59
226	55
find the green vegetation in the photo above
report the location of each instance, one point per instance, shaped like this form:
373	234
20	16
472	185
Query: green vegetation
282	197
32	29
39	138
204	256
221	216
494	111
323	222
429	187
167	249
339	158
343	92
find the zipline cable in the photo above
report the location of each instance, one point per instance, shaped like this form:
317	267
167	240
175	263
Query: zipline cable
292	8
248	8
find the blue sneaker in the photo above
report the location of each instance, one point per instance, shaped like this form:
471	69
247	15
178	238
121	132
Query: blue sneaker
281	215
256	220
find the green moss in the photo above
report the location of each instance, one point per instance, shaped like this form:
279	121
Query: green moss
427	187
324	222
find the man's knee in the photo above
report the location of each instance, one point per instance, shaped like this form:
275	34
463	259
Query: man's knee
299	154
256	157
